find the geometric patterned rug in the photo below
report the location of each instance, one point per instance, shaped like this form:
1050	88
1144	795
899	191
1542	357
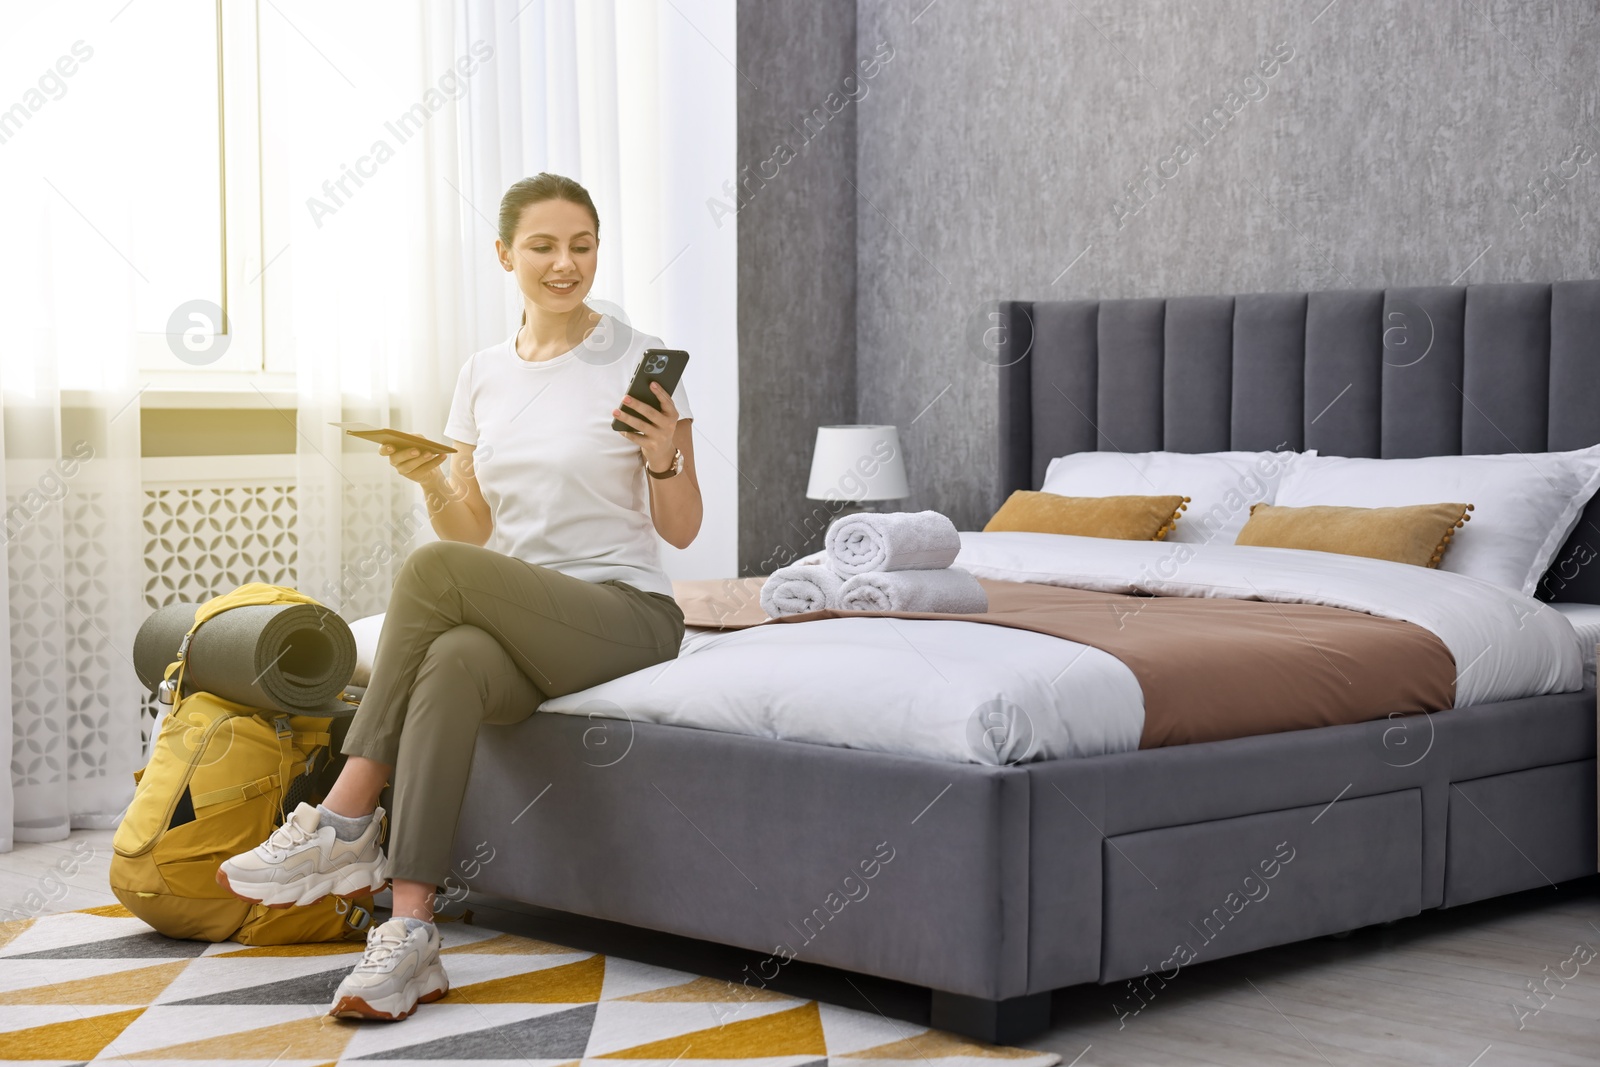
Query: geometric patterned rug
98	985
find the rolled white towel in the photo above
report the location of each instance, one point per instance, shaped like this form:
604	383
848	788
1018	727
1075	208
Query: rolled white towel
949	590
796	588
899	541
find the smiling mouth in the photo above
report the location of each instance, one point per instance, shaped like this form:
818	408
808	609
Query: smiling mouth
563	286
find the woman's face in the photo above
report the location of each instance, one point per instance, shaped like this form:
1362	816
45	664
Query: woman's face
554	254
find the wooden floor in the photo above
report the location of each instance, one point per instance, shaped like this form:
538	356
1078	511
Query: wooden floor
31	875
1435	989
1440	988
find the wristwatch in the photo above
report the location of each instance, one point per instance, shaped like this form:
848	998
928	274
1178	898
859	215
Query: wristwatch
677	465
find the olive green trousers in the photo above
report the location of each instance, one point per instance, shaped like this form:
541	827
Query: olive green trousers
474	636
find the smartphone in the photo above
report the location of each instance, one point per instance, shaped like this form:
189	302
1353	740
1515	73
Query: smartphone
664	365
399	438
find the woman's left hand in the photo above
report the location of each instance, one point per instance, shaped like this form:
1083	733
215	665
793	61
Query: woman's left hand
656	428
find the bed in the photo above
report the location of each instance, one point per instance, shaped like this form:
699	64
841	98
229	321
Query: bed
994	885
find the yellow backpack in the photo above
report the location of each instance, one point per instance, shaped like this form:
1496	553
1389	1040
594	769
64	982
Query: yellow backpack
214	787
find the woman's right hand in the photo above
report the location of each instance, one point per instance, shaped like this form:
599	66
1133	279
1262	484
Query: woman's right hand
414	463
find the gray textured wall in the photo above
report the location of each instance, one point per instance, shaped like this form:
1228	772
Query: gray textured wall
1396	147
797	262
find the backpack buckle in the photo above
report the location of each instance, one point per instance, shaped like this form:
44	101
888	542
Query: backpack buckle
167	690
357	918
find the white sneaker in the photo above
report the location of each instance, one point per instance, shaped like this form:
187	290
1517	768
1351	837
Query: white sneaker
303	861
400	969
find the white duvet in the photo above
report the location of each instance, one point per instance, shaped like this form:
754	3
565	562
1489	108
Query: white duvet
976	693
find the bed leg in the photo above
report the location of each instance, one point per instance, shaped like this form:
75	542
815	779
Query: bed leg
1000	1022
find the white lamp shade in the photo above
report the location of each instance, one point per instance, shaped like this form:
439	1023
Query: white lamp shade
857	463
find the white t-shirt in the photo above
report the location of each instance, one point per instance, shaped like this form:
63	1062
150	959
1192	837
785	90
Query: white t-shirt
565	489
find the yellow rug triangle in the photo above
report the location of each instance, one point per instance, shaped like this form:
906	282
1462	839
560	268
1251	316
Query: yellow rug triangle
933	1044
512	945
797	1032
75	1039
10	930
571	983
312	948
317	1037
141	985
108	911
705	990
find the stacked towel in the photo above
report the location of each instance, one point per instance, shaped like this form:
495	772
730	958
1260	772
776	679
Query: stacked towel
950	590
902	541
895	562
796	588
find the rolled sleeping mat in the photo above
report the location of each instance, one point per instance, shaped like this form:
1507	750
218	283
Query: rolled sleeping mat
294	658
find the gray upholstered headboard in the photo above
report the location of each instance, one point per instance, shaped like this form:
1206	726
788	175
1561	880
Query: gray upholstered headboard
1388	373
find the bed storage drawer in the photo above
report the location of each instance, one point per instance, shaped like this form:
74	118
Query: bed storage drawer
1185	894
1522	830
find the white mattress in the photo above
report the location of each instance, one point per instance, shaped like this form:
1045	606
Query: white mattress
1585	620
971	692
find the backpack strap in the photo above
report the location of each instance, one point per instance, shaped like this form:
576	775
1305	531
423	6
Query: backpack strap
172	678
309	739
285	758
247	791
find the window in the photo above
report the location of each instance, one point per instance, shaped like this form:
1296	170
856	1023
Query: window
175	130
197	75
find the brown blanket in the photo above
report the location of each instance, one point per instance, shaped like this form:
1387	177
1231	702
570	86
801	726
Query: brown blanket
1210	668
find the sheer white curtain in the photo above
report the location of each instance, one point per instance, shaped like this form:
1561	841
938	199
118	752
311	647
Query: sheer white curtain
363	298
70	277
428	112
388	133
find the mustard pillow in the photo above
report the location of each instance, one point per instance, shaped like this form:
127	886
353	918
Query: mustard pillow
1126	518
1418	534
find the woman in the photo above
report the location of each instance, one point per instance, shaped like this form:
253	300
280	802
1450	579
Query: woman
571	593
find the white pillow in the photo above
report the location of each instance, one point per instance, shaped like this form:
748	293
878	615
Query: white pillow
366	632
1525	504
1220	486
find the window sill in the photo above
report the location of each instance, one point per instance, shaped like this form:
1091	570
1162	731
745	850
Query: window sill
275	390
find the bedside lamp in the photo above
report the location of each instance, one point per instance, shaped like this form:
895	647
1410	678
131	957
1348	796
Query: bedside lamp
857	464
